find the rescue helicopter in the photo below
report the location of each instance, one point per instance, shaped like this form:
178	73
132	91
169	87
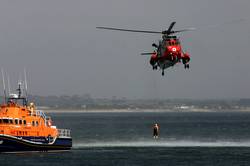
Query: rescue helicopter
168	52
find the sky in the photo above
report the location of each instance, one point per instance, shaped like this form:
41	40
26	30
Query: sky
64	54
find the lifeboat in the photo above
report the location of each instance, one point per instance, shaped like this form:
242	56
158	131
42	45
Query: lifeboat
23	128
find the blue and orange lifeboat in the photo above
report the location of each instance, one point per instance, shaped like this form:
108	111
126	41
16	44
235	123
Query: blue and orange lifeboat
23	128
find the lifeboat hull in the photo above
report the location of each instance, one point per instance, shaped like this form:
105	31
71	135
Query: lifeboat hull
19	144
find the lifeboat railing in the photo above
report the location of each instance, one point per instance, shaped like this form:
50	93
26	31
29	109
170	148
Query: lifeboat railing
39	113
64	133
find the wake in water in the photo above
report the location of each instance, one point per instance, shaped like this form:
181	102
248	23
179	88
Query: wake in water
163	144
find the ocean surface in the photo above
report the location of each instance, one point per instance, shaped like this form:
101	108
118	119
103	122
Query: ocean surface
125	139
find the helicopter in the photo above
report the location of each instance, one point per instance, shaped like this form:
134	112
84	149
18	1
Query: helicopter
168	52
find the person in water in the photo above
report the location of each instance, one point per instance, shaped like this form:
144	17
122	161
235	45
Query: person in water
156	131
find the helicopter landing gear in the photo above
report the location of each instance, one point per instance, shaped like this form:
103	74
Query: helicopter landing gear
154	67
162	73
186	66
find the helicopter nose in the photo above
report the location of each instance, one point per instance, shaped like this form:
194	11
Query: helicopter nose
174	49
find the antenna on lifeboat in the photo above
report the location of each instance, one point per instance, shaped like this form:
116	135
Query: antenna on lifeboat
19	89
8	81
4	90
25	85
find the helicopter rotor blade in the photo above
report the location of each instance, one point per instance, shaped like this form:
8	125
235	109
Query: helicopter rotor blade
128	30
170	27
147	53
166	32
183	30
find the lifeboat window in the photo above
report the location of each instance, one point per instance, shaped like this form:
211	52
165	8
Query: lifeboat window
25	132
0	120
36	123
11	121
5	120
16	121
33	123
20	133
24	122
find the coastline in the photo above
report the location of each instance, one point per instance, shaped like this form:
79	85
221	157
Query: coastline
139	110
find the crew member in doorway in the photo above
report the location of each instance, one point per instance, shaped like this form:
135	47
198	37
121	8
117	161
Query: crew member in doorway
156	131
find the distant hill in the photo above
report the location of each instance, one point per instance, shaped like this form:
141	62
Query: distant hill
87	102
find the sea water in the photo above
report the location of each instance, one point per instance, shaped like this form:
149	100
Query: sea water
125	138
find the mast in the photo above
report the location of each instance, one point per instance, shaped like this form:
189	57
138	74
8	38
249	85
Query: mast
19	90
25	86
8	81
4	89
